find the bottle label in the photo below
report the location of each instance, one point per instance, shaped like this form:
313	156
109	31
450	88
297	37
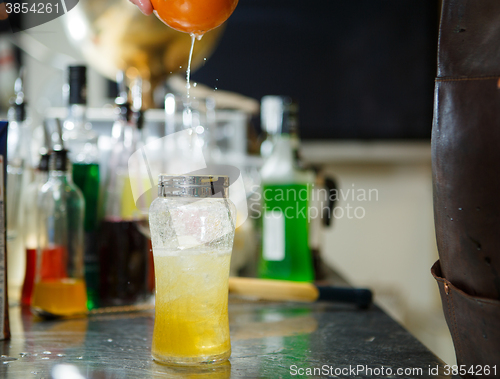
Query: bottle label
273	248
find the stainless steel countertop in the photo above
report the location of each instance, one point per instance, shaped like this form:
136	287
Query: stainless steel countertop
267	338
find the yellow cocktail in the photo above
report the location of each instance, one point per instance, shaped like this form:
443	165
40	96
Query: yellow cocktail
191	321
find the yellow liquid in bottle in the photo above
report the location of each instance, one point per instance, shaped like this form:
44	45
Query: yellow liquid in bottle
62	297
191	320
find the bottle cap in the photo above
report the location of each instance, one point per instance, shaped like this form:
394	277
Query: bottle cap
122	102
77	85
20	112
193	185
44	163
18	103
123	111
59	160
279	115
139	119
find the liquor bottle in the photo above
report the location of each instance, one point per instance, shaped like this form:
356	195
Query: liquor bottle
59	280
81	142
286	191
144	202
30	226
123	250
19	174
15	158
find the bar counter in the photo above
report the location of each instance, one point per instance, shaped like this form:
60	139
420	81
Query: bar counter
269	340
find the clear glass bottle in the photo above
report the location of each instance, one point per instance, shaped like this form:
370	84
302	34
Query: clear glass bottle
192	223
59	281
124	251
16	158
19	174
286	190
30	226
81	141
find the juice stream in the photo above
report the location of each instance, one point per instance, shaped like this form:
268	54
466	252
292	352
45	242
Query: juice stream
86	177
188	71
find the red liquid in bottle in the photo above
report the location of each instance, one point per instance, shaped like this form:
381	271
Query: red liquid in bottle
29	277
53	267
54	263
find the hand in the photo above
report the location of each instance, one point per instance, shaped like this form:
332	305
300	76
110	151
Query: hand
3	11
144	6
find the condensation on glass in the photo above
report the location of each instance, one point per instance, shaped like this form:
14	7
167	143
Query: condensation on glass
192	233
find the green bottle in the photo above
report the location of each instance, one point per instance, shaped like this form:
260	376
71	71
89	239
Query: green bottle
81	141
286	191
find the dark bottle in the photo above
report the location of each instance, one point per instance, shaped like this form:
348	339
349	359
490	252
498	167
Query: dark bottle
123	250
81	141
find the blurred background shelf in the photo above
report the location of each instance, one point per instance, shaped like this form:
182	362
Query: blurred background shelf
366	152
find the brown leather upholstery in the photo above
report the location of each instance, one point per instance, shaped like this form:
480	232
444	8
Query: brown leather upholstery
466	174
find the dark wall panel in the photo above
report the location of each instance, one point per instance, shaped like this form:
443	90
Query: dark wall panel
361	69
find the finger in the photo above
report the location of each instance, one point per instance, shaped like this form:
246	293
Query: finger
144	6
3	12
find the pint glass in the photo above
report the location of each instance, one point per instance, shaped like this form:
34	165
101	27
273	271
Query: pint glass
192	232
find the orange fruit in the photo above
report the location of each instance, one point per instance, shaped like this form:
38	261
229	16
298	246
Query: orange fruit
194	16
